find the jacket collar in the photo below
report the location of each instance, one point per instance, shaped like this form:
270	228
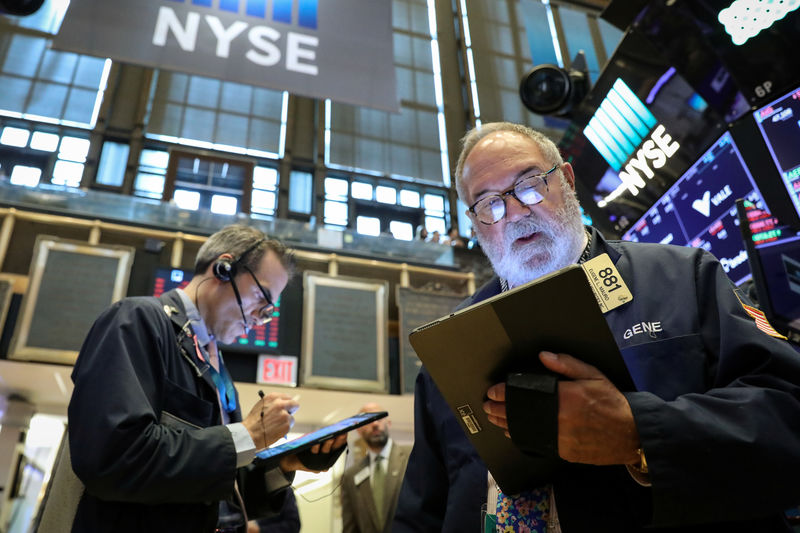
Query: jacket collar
602	246
173	306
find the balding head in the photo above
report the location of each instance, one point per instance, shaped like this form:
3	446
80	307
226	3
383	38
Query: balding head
371	408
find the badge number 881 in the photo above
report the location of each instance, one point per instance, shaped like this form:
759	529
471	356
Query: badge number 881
609	279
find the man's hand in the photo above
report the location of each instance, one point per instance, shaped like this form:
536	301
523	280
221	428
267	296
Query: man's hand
290	463
270	418
595	421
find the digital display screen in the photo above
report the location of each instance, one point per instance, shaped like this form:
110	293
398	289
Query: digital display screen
261	339
763	226
733	52
779	122
167	279
780	263
637	131
699	209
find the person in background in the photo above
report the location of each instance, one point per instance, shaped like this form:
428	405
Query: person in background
371	486
436	237
453	238
422	233
156	432
708	442
473	240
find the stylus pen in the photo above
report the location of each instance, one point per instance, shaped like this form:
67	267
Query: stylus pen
261	395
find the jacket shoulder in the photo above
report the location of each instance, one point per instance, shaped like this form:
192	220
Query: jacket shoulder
487	290
654	249
356	467
653	255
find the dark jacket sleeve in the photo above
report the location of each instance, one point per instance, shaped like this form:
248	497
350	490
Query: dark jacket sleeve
445	481
120	448
733	451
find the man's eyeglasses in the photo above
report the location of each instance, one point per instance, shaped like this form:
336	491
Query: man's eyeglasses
266	312
527	191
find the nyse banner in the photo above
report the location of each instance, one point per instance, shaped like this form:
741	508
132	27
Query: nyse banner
340	49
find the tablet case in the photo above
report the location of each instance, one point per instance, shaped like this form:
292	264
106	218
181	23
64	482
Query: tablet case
474	348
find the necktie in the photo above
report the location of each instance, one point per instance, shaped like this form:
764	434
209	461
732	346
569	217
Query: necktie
378	483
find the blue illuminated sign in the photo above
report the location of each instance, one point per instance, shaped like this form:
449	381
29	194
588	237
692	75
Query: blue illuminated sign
281	9
620	125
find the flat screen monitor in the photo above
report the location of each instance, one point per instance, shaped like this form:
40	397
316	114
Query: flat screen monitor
780	263
261	339
779	123
641	126
699	209
774	255
733	52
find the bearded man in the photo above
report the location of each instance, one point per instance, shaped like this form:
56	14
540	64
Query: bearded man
708	442
371	486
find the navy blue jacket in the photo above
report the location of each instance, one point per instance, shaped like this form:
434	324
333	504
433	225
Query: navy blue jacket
716	408
145	429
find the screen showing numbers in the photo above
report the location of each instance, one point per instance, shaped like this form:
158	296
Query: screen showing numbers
699	209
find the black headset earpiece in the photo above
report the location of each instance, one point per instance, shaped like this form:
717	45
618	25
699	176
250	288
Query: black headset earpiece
224	269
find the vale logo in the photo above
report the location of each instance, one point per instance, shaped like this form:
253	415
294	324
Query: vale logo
703	205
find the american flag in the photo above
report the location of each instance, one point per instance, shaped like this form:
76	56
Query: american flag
761	321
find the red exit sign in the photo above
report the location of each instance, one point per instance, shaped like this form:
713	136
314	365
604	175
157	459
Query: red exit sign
277	370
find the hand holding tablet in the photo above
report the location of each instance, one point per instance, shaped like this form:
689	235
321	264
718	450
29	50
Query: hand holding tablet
301	446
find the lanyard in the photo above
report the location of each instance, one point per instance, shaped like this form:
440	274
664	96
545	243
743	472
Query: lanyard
221	379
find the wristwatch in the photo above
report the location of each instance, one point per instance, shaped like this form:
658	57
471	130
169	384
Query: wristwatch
641	466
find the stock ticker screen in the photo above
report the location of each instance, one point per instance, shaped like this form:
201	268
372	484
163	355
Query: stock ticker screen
780	263
699	209
779	122
261	339
776	249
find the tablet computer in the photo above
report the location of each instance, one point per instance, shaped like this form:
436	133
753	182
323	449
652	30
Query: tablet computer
474	348
316	437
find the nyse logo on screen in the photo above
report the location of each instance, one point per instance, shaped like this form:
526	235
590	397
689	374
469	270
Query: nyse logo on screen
618	130
267	45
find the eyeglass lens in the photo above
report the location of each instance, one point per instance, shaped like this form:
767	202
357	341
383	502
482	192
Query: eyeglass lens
526	191
265	313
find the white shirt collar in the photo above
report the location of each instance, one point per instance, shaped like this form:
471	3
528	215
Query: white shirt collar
384	453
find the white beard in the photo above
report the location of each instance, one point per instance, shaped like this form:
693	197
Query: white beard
558	244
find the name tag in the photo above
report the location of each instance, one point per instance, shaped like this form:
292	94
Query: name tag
608	286
361	476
